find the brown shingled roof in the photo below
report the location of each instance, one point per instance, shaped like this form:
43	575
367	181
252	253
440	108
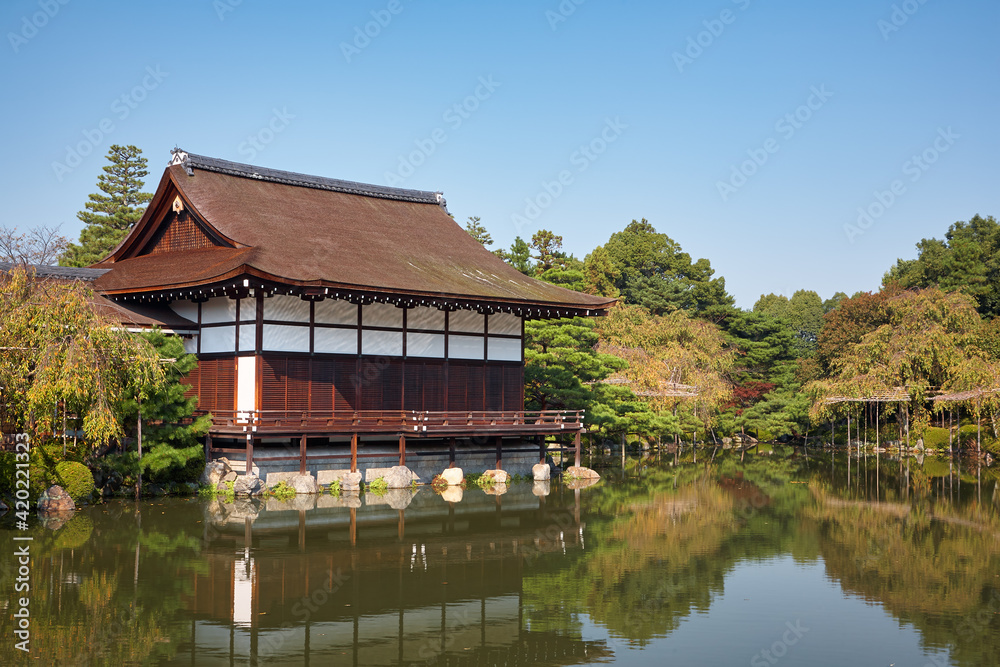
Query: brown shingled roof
301	230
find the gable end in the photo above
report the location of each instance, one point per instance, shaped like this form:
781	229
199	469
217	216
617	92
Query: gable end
178	231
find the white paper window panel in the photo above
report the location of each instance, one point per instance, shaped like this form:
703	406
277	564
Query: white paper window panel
465	347
382	315
425	345
187	309
382	343
467	320
248	309
248	337
425	317
190	344
280	338
217	310
218	339
336	311
504	349
284	308
505	323
335	341
246	383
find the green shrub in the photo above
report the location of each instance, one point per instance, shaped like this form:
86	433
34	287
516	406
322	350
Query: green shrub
165	463
281	491
378	486
76	479
334	488
936	437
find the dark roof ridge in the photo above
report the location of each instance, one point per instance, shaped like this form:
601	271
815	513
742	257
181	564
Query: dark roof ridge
191	161
63	272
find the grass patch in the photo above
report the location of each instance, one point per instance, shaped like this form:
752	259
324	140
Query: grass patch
226	495
281	491
378	486
334	488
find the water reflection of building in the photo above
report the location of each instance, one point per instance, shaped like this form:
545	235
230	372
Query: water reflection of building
436	583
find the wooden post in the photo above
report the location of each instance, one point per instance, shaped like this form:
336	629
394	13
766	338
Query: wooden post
576	445
402	450
249	453
354	457
354	528
541	448
499	443
302	454
208	448
451	452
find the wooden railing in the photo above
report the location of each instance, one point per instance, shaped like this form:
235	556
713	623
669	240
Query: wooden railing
402	422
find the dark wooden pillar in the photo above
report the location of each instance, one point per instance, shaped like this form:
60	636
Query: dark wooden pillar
354	453
541	448
402	450
302	454
249	453
576	446
208	448
354	527
499	443
451	452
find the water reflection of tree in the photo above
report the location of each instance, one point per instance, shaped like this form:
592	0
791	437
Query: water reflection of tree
666	545
933	565
93	601
661	546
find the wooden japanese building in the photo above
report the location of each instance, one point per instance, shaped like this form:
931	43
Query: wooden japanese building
325	311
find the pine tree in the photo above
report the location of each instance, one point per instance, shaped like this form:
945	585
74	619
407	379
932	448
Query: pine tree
478	231
111	215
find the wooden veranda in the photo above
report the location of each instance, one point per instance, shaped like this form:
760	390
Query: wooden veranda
480	426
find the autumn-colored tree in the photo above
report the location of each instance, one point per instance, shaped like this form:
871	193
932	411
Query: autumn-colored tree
844	326
677	363
59	350
916	340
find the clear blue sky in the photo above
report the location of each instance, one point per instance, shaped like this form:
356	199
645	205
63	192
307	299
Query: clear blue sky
667	119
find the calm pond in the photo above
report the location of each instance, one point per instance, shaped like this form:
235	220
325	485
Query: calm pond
774	560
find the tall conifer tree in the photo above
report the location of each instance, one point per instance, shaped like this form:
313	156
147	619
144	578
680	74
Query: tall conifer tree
110	216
